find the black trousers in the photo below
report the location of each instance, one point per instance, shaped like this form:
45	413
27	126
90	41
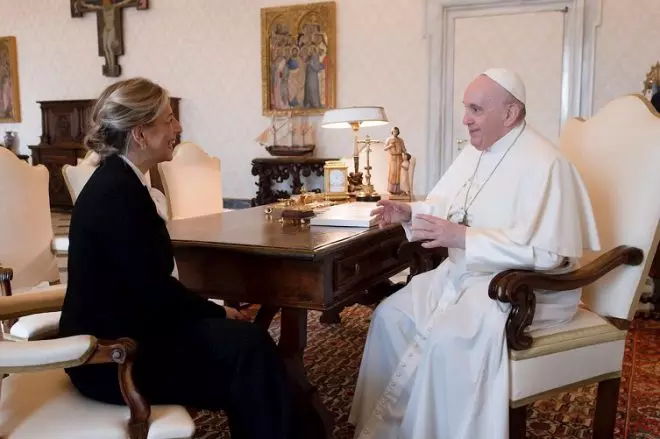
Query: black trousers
212	364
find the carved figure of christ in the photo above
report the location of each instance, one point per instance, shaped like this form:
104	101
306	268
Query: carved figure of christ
109	23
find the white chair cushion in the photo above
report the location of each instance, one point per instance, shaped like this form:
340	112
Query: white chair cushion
36	326
60	244
45	405
45	352
585	348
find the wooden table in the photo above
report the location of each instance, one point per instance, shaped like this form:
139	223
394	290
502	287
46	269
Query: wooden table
248	256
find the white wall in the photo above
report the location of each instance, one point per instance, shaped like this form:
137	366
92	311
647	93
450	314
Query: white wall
208	53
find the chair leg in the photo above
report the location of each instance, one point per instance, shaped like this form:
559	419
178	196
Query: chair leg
606	402
518	422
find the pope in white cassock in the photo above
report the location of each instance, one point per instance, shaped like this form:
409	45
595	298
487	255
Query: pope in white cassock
435	363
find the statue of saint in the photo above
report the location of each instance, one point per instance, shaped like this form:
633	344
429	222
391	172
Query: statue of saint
397	148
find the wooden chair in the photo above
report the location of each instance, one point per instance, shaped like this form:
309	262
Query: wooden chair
37	400
192	182
617	155
27	242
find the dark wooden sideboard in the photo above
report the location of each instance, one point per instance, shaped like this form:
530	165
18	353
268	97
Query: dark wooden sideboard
63	125
273	170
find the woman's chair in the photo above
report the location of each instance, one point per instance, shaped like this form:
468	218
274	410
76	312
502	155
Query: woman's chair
27	242
192	182
617	155
76	177
37	400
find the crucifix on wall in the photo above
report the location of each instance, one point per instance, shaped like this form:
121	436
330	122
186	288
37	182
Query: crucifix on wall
110	30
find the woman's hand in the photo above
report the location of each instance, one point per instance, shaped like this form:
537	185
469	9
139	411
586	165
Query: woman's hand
234	314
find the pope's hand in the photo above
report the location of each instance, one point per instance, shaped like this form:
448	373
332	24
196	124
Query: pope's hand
391	212
438	232
234	314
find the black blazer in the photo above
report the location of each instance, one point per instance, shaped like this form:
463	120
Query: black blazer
120	264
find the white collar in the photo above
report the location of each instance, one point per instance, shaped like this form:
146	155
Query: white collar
505	141
135	169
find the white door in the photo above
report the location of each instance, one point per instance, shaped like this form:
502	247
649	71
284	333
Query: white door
532	44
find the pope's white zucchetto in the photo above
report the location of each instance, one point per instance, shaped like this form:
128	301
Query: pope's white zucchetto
509	80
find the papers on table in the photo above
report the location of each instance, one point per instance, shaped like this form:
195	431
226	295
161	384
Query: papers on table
357	214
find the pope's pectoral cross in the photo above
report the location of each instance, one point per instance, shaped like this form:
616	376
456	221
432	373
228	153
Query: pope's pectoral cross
110	30
461	215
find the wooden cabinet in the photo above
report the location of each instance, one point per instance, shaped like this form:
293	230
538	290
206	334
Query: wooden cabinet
64	124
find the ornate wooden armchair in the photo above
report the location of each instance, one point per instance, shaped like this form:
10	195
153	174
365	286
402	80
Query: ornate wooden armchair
38	401
616	152
192	182
27	242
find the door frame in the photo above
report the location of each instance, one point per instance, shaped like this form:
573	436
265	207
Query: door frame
580	23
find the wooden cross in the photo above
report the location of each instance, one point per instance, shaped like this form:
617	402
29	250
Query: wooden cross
109	24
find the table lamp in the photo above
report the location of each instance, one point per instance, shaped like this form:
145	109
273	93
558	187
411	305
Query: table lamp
354	118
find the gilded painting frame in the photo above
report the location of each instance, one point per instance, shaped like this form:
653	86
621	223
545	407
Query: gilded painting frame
10	102
297	43
652	81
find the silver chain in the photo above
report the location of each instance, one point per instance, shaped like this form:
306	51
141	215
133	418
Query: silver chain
466	206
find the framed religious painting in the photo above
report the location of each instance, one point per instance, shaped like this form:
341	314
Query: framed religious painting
298	59
652	81
10	104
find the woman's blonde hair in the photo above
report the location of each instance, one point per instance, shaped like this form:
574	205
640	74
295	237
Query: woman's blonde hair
121	107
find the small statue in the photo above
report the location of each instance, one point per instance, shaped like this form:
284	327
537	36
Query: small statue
407	176
397	148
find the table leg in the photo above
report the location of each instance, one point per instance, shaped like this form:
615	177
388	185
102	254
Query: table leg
293	340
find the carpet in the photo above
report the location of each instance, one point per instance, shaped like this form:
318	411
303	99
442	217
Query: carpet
333	357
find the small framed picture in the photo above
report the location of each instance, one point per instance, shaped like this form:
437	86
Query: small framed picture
335	180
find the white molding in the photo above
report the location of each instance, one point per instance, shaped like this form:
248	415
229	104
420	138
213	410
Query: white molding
440	19
594	20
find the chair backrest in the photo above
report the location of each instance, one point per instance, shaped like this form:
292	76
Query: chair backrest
192	182
26	229
76	177
617	152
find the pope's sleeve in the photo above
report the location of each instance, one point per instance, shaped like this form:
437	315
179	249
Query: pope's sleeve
416	208
489	250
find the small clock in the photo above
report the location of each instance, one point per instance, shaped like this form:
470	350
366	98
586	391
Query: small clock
336	180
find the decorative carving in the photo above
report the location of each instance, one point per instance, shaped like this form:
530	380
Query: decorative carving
278	170
110	28
122	352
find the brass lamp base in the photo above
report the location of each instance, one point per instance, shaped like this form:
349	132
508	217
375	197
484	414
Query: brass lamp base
368	193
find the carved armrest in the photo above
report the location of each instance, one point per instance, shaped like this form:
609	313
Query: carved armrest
47	300
30	356
517	288
69	351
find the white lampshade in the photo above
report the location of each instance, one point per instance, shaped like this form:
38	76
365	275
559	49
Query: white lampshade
345	117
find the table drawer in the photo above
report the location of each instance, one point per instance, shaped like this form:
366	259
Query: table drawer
374	259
